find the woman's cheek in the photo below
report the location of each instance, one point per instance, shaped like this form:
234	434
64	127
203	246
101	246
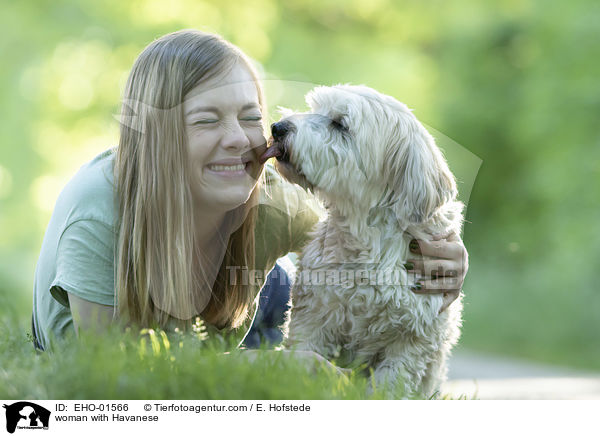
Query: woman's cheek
256	137
201	144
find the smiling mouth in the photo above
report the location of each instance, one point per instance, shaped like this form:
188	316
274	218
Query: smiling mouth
228	168
231	169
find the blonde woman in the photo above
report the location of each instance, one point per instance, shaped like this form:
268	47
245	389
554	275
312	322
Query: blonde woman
167	226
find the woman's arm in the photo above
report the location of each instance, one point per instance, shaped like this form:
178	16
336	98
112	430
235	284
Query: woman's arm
88	315
447	273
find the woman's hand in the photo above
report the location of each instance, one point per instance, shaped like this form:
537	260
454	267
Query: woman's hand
445	274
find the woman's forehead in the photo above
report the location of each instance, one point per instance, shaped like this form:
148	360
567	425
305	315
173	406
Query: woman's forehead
235	89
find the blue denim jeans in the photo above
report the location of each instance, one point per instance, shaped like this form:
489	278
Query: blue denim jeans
273	304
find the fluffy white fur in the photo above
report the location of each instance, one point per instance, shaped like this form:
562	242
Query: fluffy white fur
382	179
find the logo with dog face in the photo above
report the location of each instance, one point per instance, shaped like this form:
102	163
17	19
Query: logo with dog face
26	415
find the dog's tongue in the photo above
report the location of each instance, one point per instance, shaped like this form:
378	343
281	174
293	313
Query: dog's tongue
272	151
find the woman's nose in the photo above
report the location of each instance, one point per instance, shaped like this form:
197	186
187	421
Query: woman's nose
235	138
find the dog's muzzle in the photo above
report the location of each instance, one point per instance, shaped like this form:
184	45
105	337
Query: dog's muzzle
277	144
280	129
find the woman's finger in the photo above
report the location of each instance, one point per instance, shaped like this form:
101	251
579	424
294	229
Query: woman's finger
433	267
450	236
445	235
437	286
442	249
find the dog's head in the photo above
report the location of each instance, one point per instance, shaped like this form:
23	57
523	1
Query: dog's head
359	148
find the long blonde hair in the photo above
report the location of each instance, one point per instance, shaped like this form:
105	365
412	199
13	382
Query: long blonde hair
156	243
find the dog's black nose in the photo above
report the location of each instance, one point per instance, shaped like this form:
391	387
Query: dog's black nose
279	129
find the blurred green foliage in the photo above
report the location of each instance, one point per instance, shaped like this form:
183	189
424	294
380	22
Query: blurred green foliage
513	81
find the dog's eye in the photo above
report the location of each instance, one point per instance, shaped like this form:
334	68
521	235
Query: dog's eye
338	126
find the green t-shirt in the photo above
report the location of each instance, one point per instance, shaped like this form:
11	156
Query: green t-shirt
77	254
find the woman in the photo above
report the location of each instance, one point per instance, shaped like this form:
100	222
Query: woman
175	217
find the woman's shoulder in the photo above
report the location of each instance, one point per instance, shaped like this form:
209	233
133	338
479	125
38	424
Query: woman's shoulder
90	192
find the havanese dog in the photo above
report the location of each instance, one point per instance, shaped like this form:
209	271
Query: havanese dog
384	182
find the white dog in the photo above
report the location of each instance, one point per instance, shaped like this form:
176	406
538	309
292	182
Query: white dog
383	181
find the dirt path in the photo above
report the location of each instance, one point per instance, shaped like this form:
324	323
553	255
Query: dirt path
475	375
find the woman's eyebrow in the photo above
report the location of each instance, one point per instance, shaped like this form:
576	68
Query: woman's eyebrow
250	106
216	110
203	109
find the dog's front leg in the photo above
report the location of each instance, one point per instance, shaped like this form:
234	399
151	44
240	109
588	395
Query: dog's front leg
390	378
305	338
305	333
400	373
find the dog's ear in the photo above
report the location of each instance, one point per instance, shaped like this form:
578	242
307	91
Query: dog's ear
331	100
314	98
417	174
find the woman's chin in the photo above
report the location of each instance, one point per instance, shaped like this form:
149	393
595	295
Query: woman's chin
228	199
219	201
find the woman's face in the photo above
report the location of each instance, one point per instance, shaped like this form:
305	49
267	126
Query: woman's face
225	137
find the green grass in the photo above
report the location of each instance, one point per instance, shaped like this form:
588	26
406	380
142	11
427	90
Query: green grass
154	365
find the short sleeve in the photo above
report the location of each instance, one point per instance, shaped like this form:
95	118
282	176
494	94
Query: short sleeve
85	262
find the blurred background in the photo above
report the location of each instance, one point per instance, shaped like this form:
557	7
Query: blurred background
514	82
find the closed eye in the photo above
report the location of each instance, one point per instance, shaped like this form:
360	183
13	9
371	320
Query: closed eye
338	126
